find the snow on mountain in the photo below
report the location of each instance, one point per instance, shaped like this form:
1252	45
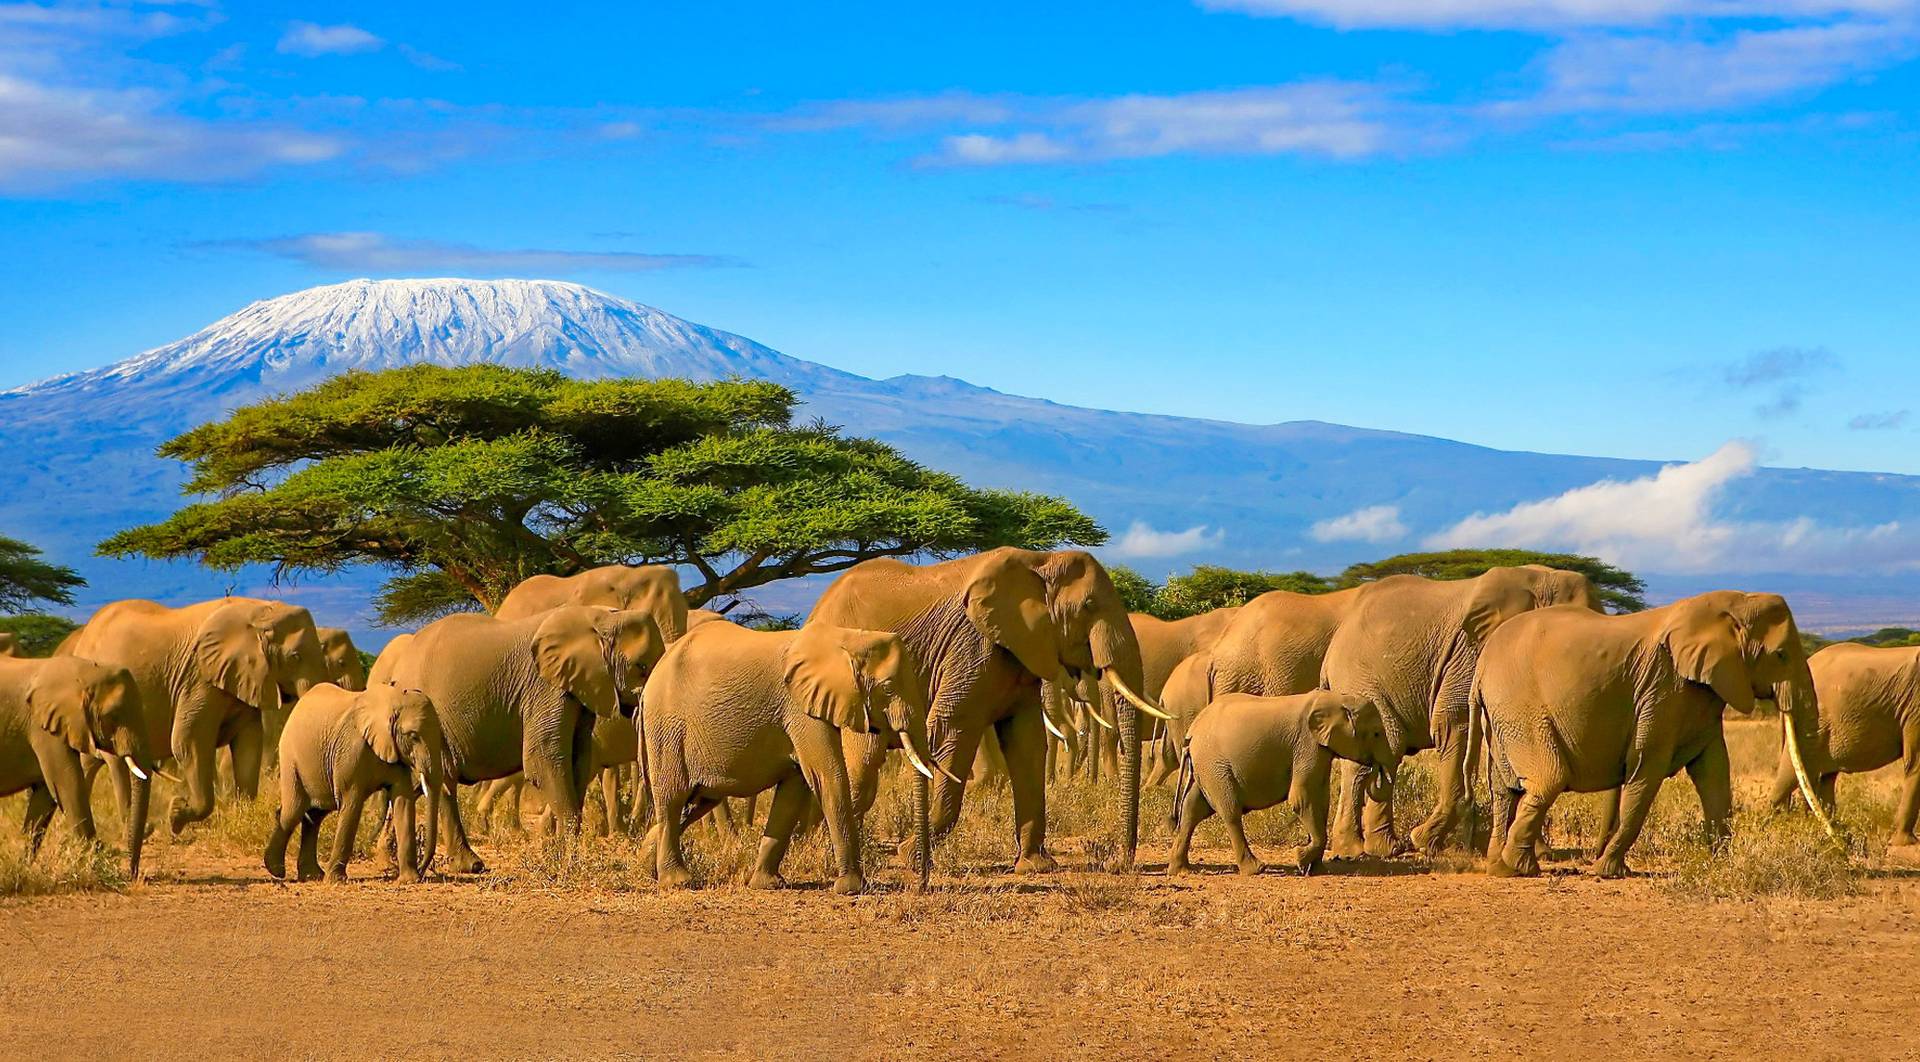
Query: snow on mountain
1199	490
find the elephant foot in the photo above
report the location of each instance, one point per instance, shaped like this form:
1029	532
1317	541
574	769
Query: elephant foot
1348	846
466	863
176	816
1430	841
1250	866
336	875
309	874
766	879
1386	845
676	877
276	871
1901	840
1309	863
1036	863
407	876
849	884
1610	867
1510	864
1178	865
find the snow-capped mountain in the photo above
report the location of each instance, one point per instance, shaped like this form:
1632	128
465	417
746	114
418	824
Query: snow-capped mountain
82	465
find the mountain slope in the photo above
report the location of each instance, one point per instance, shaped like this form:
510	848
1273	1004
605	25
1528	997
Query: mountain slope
87	439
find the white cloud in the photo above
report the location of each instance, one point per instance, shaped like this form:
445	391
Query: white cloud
1375	523
379	253
1666	523
1547	14
1141	540
310	39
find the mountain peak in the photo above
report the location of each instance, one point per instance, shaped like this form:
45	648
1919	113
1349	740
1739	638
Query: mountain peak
366	324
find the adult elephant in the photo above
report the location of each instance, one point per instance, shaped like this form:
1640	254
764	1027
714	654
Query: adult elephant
57	717
205	673
1869	716
1273	646
652	589
345	669
1571	700
514	694
1410	645
1163	645
987	630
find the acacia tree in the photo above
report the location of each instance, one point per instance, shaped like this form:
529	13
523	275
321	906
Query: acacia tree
26	579
464	481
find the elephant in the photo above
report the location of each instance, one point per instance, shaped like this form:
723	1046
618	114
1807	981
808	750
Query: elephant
732	712
1410	644
1272	646
652	589
616	743
1567	699
1163	645
1246	753
206	673
344	666
58	715
10	644
525	693
1869	716
986	630
696	617
340	747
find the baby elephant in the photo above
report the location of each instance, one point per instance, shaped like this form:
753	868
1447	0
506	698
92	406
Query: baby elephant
341	747
1245	753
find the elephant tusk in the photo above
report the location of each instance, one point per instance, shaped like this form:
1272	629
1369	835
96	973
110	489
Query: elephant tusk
135	768
168	777
423	788
1800	775
1135	699
1051	729
1097	717
918	763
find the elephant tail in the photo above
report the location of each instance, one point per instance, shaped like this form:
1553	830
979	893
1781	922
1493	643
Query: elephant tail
1181	787
1476	736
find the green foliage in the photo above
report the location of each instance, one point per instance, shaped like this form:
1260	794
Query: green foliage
1620	591
463	482
37	633
25	578
1208	587
1885	637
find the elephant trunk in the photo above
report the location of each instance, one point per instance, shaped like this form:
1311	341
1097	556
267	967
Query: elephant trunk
1800	711
922	829
1116	652
429	763
137	818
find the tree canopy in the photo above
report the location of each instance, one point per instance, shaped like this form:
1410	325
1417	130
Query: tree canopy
26	579
1207	587
1620	591
464	481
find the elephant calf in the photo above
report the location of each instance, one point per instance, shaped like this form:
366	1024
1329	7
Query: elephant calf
732	712
338	749
1245	753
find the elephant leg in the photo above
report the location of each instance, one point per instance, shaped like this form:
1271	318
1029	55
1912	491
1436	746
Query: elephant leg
407	864
615	820
1908	807
955	752
247	743
675	811
1609	820
40	805
196	769
1504	802
461	858
385	840
1194	810
1786	785
1243	857
309	865
1520	857
1348	843
489	799
817	746
1712	776
1376	815
1311	805
293	810
1023	740
353	802
1825	786
1432	834
789	803
1636	801
272	724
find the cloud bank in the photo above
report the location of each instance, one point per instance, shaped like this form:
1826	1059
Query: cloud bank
378	253
1375	523
1143	541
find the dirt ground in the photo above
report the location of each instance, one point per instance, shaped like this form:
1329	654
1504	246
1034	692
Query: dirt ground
1374	959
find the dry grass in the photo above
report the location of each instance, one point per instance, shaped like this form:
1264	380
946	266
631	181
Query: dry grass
1770	854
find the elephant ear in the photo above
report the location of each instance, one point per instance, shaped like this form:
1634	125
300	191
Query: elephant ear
1704	642
231	655
1497	597
1007	602
61	709
825	679
1325	715
379	712
571	652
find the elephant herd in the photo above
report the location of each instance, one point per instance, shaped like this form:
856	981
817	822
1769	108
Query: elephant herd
1517	675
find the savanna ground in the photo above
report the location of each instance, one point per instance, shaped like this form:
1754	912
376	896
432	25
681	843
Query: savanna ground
1781	945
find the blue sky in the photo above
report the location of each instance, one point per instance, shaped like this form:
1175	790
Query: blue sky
1639	228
